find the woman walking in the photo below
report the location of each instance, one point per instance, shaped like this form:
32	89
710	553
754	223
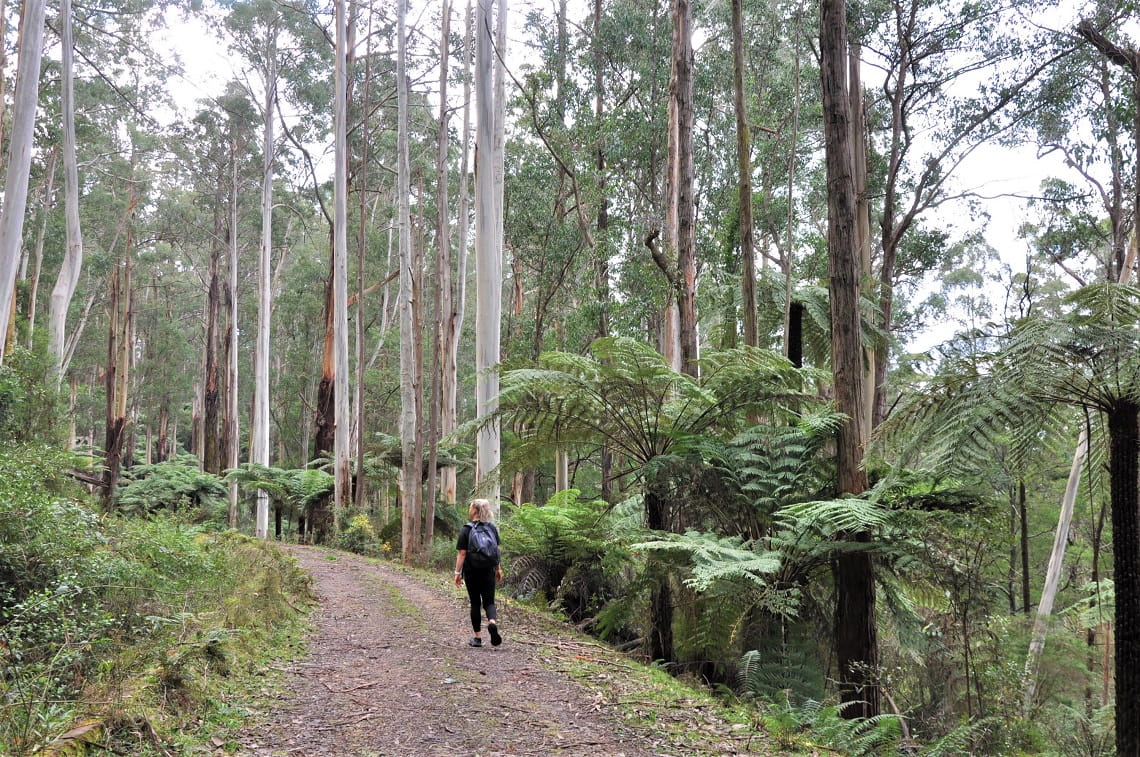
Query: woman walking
477	564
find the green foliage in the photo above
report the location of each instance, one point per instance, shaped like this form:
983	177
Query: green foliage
43	526
177	485
565	552
625	396
95	611
1080	731
717	559
359	536
785	669
1096	605
1012	395
813	722
296	489
29	406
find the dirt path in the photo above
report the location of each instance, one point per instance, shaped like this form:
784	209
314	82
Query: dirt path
389	673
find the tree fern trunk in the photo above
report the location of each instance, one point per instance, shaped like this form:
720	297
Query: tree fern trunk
661	599
1124	442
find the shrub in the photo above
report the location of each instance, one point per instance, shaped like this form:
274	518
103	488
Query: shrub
122	613
29	405
359	536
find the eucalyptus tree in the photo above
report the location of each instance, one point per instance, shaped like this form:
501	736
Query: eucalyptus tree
68	278
256	29
1085	92
411	370
443	295
744	181
20	148
1127	59
856	642
341	472
930	53
458	299
488	254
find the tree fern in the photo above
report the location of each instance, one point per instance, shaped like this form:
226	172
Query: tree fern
563	551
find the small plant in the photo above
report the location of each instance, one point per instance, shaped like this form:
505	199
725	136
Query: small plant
359	536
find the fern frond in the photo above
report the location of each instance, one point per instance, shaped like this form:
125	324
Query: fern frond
716	559
836	516
959	740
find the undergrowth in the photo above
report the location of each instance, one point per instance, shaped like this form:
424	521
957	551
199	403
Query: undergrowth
127	633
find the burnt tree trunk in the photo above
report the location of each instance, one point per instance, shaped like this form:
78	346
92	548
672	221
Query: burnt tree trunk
320	519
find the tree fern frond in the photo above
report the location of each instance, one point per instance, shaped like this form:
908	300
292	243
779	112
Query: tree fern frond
836	516
716	558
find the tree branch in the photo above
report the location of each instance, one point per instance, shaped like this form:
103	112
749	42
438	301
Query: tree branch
1127	58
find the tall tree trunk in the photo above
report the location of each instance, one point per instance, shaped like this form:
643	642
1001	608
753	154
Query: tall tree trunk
855	633
68	279
875	358
232	430
681	93
1124	443
410	473
1023	517
744	181
447	418
341	471
19	159
661	595
442	281
119	349
602	247
211	384
789	235
488	259
47	202
259	431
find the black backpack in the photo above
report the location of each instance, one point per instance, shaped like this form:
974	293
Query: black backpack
482	547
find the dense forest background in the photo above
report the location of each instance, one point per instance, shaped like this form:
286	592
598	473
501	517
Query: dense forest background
706	296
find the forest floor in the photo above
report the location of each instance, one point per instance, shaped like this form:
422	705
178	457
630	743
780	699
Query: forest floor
389	672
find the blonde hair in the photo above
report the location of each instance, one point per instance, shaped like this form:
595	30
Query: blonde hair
482	510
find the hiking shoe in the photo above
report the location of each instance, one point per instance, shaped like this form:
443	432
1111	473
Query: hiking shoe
475	642
493	629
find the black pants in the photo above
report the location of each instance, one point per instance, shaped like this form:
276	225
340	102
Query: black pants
481	590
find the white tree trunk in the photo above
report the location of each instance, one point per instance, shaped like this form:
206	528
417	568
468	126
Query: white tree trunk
1061	535
409	368
342	481
47	204
19	158
488	260
259	447
459	302
443	307
68	279
1053	573
233	413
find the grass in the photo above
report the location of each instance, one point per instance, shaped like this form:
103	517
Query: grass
687	718
173	657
